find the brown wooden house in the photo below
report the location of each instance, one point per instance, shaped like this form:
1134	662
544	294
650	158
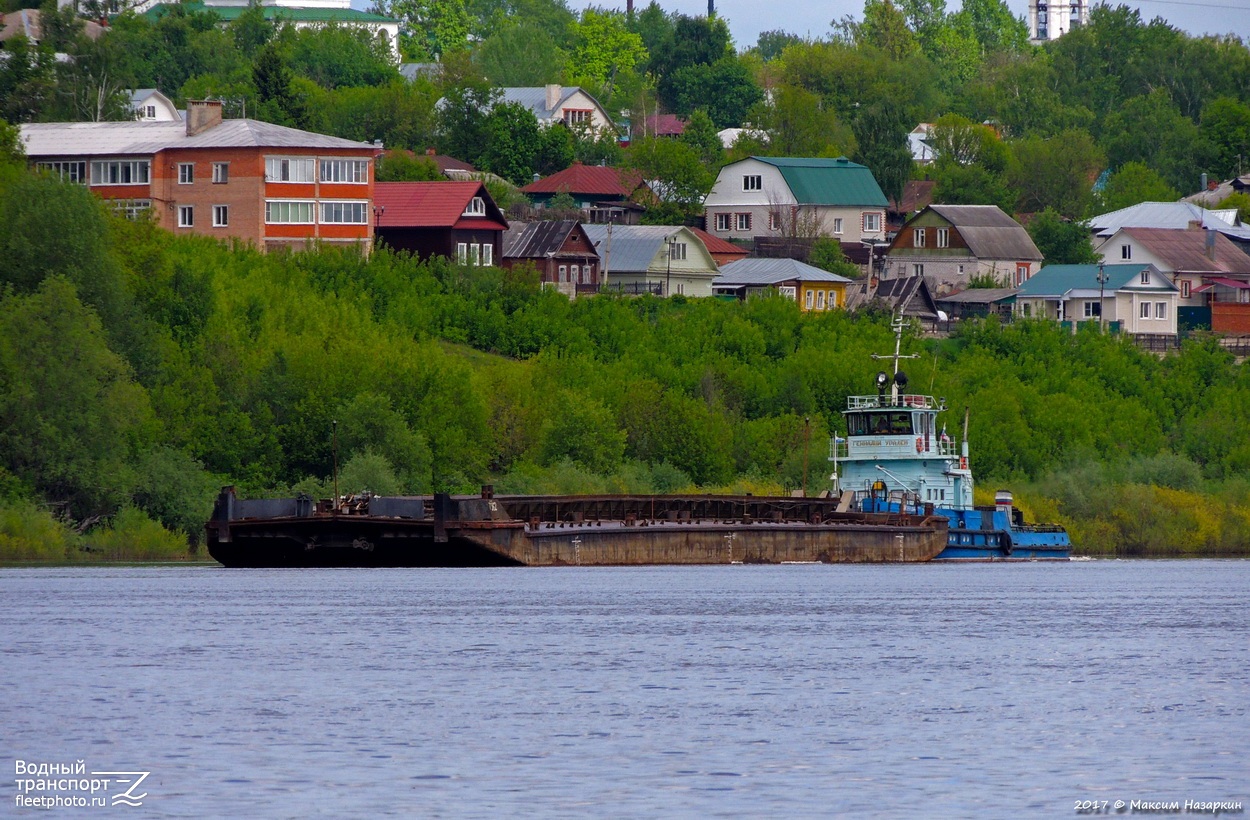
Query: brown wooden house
458	220
561	251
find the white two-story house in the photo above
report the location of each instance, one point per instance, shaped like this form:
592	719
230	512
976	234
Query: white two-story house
796	197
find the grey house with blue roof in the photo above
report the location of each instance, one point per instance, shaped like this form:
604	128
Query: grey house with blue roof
797	197
1136	299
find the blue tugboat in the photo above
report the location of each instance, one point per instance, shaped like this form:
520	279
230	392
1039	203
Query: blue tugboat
896	458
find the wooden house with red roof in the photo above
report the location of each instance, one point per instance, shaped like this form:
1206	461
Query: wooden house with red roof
723	251
458	220
606	194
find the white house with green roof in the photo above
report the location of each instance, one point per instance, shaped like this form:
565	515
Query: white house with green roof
796	197
1136	299
299	13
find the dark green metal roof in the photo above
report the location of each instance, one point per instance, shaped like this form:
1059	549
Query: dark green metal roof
1056	280
824	181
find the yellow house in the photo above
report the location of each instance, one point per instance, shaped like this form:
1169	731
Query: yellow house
814	289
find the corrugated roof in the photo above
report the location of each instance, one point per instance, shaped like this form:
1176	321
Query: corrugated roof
534	240
535	98
592	180
665	125
1186	250
1176	215
823	181
917	193
978	296
48	139
1057	280
432	205
634	247
990	233
716	245
746	272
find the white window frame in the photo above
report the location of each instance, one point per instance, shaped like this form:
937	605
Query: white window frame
150	112
943	237
1145	310
186	173
774	221
344	212
290	212
131	209
742	222
476	207
65	170
488	254
723	222
677	250
186	216
1022	274
1092	310
820	300
290	169
752	182
788	291
1126	251
221	173
345	170
808	297
1145	277
918	234
1161	310
917	269
462	253
837	224
872	223
1185	291
121	172
221	216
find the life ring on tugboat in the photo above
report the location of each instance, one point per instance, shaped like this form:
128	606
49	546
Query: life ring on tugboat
1004	542
919	445
963	462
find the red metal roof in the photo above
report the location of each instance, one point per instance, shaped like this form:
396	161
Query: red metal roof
717	245
1239	284
665	125
430	204
593	180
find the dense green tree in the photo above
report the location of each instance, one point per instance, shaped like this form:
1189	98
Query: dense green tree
725	89
1150	129
826	254
521	53
341	56
278	99
956	184
512	143
683	179
881	135
602	46
770	44
995	27
1132	183
1225	127
1061	241
434	28
251	30
1056	173
885	27
700	134
26	81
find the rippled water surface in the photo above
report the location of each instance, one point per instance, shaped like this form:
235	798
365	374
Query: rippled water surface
737	690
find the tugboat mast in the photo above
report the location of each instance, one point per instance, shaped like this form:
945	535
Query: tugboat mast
896	324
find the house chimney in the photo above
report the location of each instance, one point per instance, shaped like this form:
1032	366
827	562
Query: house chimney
553	96
429	152
202	115
1210	244
1194	225
1204	180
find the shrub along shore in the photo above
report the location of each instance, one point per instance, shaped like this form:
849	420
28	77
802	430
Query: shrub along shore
141	372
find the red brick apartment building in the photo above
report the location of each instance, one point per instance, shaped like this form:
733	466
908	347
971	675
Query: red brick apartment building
273	186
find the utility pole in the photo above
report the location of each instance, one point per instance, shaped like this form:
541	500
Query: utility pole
1102	283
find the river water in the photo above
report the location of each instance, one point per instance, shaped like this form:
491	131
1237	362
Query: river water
923	690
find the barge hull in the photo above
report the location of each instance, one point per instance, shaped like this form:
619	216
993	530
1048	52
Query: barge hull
443	531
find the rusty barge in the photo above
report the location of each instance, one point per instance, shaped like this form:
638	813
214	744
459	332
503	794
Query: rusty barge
608	530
